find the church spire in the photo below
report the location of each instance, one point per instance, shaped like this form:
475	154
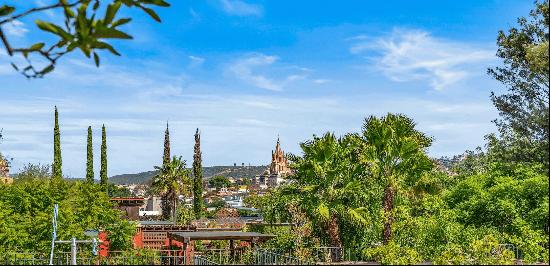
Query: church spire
278	146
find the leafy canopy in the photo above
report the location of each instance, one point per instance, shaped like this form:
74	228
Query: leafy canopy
87	26
27	209
524	114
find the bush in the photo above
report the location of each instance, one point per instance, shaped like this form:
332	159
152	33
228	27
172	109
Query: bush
392	253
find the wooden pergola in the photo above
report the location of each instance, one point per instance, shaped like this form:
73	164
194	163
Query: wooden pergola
186	238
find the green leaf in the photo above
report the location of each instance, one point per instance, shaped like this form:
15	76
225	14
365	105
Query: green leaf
85	49
103	45
121	21
96	5
111	11
357	215
47	69
323	212
72	46
309	188
69	12
83	26
151	13
96	59
37	46
50	27
6	10
104	32
160	3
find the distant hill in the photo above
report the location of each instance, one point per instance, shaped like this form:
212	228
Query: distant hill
207	172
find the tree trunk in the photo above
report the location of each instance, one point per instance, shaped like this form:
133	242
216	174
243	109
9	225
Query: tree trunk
165	206
335	241
389	194
174	206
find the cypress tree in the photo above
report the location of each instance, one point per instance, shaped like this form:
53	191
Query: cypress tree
103	172
166	157
89	158
165	202
197	176
56	167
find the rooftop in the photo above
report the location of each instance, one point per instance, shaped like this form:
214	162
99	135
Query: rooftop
218	235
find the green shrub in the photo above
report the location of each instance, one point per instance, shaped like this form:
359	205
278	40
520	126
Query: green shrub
393	253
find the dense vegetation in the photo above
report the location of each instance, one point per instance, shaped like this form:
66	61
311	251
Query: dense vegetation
337	198
27	208
219	182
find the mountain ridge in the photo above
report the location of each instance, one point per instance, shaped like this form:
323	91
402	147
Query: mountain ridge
209	171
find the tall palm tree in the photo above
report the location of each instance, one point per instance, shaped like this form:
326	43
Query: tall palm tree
329	184
394	153
171	181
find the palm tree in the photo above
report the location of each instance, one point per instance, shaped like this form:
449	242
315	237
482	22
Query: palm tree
171	181
329	184
394	153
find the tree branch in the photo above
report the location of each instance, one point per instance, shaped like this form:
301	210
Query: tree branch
37	9
6	43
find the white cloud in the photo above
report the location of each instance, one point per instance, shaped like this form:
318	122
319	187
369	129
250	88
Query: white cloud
321	81
162	91
16	29
416	55
257	103
241	8
48	12
194	15
195	61
253	122
255	68
243	69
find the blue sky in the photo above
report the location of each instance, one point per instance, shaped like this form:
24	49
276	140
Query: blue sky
246	71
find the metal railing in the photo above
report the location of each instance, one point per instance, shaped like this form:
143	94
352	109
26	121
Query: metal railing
328	254
512	248
268	257
225	256
201	260
239	256
165	257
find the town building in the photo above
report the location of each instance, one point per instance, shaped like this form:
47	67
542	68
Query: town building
4	172
129	206
151	207
277	172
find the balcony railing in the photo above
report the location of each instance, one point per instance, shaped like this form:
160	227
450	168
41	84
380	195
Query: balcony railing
245	256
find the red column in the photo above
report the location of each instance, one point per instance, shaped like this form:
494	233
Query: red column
104	246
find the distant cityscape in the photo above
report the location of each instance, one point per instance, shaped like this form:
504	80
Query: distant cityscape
242	180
